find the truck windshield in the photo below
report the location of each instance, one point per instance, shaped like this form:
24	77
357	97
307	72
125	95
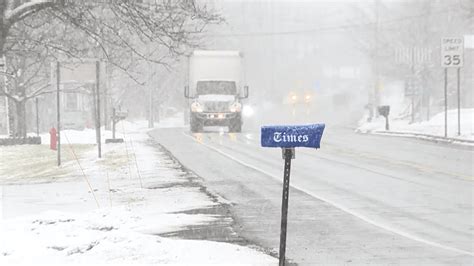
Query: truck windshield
216	87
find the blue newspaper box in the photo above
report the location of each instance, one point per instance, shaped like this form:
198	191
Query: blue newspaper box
308	136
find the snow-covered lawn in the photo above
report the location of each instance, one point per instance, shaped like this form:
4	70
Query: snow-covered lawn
435	126
109	210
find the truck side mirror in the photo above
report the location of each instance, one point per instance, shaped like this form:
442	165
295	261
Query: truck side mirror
246	92
186	92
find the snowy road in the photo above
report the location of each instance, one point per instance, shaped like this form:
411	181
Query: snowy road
410	202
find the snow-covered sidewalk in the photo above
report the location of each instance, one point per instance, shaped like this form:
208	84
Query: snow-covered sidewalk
430	130
111	210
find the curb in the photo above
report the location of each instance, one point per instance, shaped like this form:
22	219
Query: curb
427	137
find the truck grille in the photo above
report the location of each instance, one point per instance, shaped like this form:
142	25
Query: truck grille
216	106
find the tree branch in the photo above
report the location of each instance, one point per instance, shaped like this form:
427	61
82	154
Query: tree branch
25	9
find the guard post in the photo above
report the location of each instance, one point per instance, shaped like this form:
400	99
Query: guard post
288	138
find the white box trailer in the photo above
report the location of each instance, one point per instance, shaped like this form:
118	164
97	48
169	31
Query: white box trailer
216	89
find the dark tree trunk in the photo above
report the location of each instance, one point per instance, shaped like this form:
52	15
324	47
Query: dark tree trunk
3	37
4	28
3	7
21	119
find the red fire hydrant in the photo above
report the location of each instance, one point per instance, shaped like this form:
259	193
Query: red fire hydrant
53	138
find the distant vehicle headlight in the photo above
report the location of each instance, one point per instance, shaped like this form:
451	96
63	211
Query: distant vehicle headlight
293	98
307	98
196	107
235	107
247	111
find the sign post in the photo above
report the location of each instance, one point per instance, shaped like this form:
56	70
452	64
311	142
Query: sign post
288	138
384	110
58	109
459	100
452	56
445	102
288	154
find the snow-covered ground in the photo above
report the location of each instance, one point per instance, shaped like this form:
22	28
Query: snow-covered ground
435	126
109	210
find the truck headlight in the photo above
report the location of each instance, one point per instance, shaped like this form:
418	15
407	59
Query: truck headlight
196	107
235	107
247	111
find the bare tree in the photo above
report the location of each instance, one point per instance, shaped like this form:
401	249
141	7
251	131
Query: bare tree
27	81
405	45
120	32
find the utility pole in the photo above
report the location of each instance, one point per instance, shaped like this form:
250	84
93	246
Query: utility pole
58	110
376	58
97	115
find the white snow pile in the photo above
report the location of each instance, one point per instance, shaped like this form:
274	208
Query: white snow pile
435	126
88	136
109	236
116	212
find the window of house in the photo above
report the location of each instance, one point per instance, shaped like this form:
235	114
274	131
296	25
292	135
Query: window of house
72	102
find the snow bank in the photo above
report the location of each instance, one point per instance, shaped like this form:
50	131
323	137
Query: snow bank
435	126
88	136
114	213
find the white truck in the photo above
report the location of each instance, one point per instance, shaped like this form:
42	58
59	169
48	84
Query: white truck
215	89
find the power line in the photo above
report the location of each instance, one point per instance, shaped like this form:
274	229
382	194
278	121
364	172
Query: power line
325	28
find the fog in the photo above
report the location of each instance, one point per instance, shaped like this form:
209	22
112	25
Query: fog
167	132
348	57
289	49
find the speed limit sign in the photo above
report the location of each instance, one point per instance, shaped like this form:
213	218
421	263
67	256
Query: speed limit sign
452	50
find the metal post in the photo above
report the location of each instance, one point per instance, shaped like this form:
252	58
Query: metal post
113	123
37	116
97	119
445	102
106	98
413	88
376	57
459	101
412	120
186	100
150	109
428	107
288	154
58	111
